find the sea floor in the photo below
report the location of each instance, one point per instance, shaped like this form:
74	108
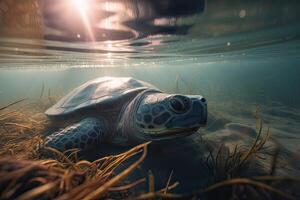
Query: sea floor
193	162
283	121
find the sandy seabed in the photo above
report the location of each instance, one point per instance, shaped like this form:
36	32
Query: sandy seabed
26	174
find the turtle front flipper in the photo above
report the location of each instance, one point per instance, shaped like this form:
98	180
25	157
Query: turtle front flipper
88	132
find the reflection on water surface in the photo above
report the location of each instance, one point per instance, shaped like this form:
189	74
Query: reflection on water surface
55	30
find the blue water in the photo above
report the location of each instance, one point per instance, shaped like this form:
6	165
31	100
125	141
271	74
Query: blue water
238	55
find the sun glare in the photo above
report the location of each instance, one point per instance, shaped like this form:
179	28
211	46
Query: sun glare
81	4
83	7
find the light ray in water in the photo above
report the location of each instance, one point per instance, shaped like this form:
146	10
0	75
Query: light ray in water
83	8
178	79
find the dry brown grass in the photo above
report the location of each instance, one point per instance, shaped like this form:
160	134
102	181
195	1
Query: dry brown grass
20	128
48	179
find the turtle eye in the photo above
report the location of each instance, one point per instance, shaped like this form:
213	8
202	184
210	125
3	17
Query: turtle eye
179	104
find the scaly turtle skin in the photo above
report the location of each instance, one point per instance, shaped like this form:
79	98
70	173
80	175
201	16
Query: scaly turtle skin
123	111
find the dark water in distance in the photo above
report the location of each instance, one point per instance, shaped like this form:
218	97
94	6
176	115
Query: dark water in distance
238	54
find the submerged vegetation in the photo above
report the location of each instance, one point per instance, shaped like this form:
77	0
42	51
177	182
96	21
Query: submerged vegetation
227	169
66	179
26	175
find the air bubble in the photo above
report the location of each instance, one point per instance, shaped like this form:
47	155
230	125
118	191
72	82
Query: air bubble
242	13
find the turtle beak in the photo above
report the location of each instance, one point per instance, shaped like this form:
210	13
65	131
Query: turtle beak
195	117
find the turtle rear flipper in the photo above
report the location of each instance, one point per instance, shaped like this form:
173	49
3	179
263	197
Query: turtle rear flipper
86	133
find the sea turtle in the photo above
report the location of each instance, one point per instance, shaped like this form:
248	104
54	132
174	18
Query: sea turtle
122	111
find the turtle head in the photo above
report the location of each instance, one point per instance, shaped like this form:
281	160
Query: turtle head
159	115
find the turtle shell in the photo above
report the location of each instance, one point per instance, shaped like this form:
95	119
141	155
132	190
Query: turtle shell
104	92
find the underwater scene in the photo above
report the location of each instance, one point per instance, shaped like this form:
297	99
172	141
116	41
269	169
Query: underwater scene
149	99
